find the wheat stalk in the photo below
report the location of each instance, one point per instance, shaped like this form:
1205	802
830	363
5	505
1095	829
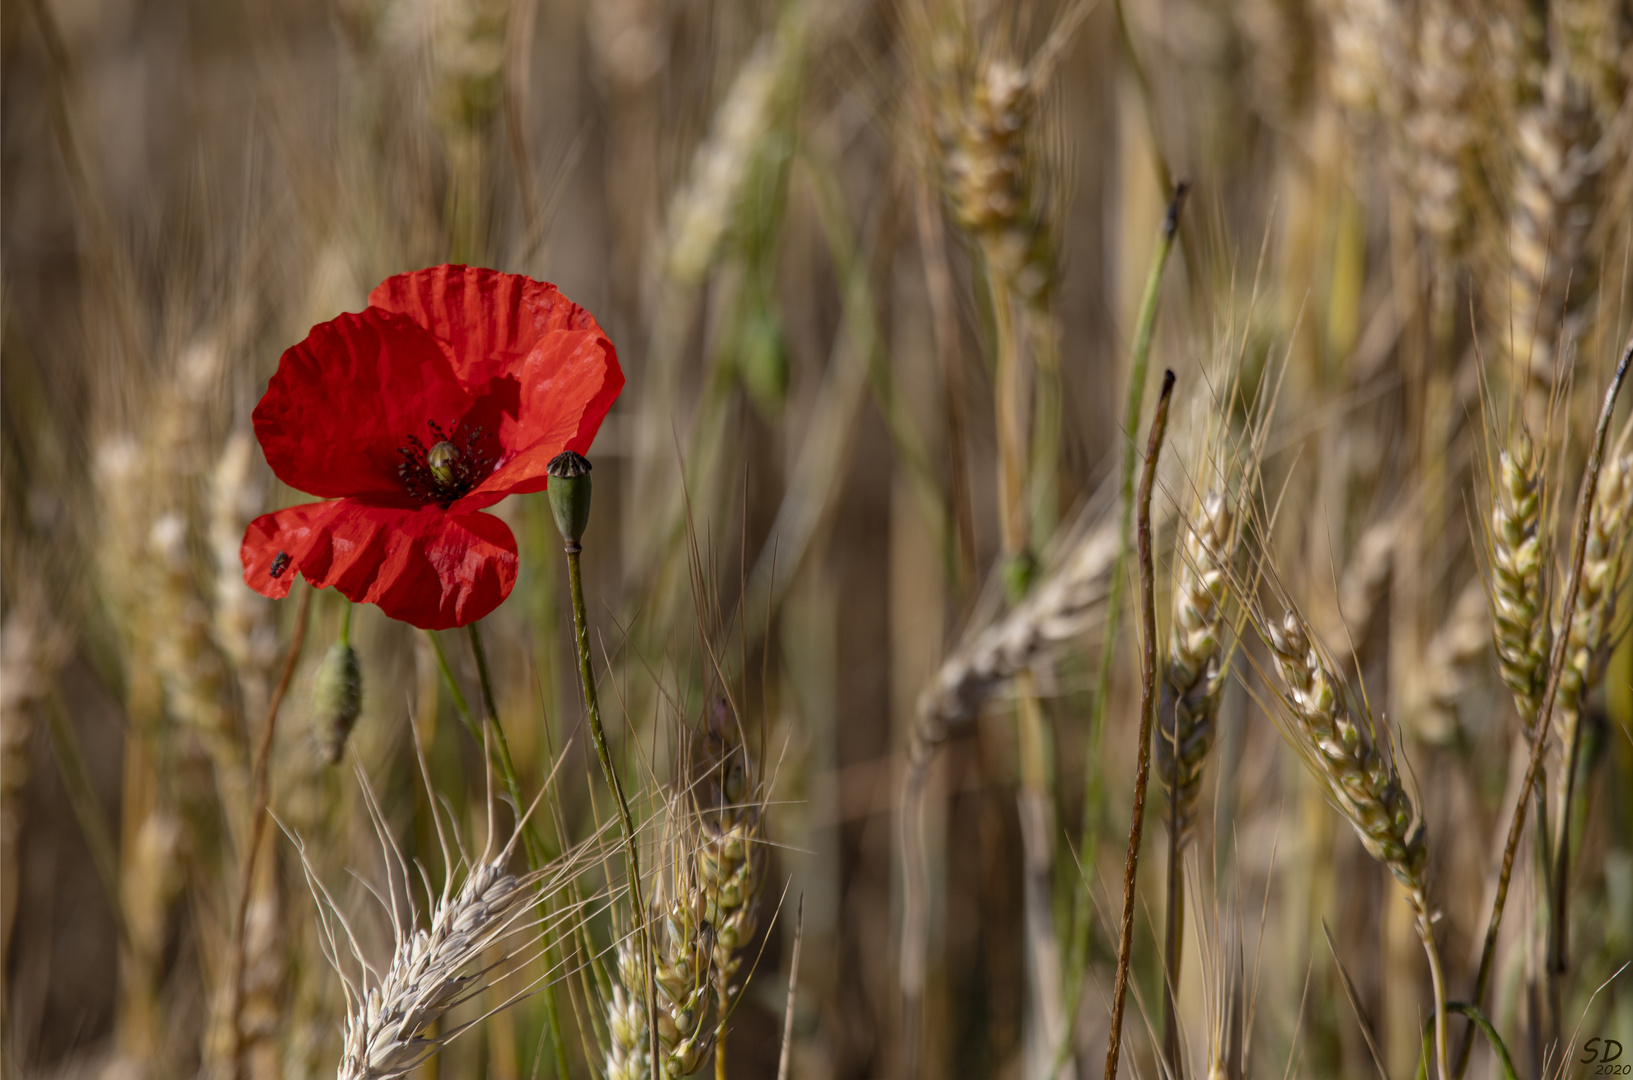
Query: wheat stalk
392	1016
1592	632
1194	676
1554	203
33	648
705	907
1368	56
243	625
1195	669
1518	588
1440	683
684	965
1441	128
728	804
1350	758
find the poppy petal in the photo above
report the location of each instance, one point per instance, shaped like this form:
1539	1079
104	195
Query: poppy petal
348	397
523	347
488	322
424	566
269	544
568	385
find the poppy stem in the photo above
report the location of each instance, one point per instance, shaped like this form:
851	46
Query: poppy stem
490	711
537	855
586	675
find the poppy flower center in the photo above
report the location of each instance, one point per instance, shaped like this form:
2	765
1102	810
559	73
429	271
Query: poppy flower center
450	467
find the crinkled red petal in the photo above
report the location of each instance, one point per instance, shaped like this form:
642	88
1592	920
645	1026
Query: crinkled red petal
522	346
425	566
344	400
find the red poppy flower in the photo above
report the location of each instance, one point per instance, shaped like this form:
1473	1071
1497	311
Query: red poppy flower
452	389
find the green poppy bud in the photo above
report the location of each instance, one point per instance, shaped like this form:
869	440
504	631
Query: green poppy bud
337	698
569	493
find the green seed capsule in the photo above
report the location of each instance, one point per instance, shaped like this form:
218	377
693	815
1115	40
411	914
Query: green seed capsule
569	493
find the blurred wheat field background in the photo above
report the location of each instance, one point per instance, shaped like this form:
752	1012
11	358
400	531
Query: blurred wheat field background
894	283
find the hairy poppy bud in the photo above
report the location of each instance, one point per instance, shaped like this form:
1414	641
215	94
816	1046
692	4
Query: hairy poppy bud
337	698
569	493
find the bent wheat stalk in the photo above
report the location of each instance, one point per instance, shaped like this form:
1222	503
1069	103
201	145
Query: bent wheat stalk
1354	762
1194	675
391	1016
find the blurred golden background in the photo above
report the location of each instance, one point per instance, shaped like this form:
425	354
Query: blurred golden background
875	271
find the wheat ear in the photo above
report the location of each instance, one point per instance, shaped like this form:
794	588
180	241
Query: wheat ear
1355	764
1605	559
1195	658
1186	721
1586	638
1518	624
391	1016
1556	664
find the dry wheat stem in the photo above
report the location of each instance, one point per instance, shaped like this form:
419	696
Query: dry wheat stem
786	1056
1588	635
1148	709
1556	665
1592	632
1139	359
257	828
1194	678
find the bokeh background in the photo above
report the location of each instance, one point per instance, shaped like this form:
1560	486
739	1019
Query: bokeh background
1409	213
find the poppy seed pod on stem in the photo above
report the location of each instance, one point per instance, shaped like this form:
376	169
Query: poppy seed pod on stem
569	493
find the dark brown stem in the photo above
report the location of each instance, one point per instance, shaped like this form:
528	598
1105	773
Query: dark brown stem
1556	667
1148	708
257	826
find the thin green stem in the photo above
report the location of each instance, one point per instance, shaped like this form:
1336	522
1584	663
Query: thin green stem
1140	361
537	853
461	706
1438	982
592	706
491	716
1478	1020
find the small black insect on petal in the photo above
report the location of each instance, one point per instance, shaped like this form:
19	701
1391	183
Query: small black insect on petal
280	563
